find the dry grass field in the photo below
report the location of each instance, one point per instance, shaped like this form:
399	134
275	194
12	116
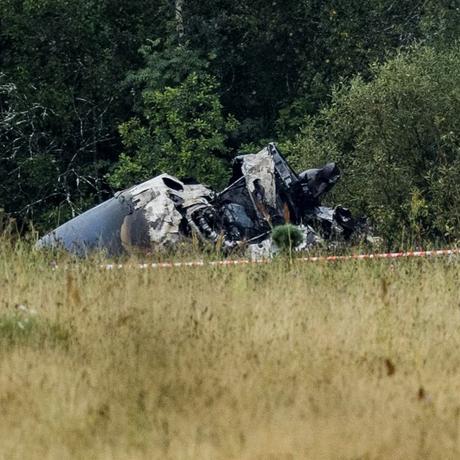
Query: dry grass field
352	361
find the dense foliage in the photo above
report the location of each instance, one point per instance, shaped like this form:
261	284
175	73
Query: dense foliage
398	139
180	127
96	95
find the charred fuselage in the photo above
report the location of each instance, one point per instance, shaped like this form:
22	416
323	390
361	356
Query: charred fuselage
264	192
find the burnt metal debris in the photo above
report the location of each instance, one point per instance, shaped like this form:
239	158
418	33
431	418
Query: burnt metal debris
264	192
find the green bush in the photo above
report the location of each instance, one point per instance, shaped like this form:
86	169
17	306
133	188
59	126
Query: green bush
183	133
397	139
287	237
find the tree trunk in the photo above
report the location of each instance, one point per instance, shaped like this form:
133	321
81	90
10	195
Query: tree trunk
179	19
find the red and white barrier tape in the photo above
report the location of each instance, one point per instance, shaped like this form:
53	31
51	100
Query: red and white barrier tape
201	263
389	255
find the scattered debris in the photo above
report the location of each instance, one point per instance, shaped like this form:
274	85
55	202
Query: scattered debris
264	192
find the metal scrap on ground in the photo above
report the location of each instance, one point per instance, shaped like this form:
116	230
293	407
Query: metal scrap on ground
264	192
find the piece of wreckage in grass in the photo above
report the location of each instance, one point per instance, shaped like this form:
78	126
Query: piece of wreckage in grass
264	192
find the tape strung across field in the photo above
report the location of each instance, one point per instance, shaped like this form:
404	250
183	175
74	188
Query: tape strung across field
201	263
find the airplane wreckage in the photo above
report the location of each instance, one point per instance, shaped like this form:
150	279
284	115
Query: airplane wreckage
264	192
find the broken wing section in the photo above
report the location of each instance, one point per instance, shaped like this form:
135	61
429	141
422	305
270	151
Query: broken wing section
97	228
153	215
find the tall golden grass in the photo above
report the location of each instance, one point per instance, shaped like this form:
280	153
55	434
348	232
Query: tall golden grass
355	360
